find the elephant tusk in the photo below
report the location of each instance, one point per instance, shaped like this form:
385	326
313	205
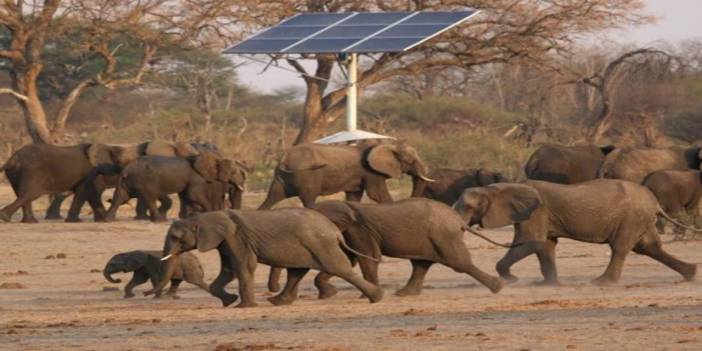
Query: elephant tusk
426	179
240	187
168	256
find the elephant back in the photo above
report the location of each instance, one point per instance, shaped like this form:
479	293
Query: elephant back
313	156
634	164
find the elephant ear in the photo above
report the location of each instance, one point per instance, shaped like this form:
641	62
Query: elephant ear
185	149
206	166
135	260
99	154
607	149
382	159
484	178
159	148
510	204
211	229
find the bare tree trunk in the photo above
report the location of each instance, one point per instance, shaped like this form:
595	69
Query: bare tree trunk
314	123
24	82
66	106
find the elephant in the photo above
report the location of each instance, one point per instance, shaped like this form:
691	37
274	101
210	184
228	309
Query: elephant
297	238
678	193
619	213
566	164
147	265
421	230
635	163
310	170
39	169
449	184
149	177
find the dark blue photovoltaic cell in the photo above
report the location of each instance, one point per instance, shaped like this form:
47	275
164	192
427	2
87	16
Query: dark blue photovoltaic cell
437	17
289	32
359	32
376	18
385	45
322	45
402	31
315	19
254	46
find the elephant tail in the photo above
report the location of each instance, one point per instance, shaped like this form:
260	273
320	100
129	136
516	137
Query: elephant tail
346	247
672	220
509	246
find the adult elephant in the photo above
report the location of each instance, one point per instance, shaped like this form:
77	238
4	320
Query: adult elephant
105	177
310	170
678	193
619	213
449	184
635	163
297	238
41	169
566	164
421	230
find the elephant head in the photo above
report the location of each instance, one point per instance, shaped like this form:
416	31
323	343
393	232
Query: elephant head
101	156
204	232
497	205
124	262
484	177
231	172
392	160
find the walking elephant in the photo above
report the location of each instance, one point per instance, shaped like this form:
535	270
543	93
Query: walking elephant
619	213
678	193
635	163
566	164
449	184
40	169
310	170
147	265
151	177
421	230
296	238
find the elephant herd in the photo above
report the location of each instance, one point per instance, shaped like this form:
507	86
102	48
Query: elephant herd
565	196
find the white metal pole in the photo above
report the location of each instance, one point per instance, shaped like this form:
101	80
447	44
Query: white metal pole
351	94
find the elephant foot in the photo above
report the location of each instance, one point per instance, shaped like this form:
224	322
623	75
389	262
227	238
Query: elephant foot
4	217
53	216
546	282
128	295
376	295
689	272
408	291
509	278
246	304
326	291
141	218
273	286
30	220
175	297
159	220
109	219
281	299
228	299
496	285
604	281
73	220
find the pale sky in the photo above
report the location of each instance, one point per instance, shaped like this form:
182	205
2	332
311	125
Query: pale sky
678	20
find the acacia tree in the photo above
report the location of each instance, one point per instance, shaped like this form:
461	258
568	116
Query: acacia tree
96	31
506	30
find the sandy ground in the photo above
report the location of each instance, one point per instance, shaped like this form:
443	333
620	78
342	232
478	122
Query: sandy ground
63	303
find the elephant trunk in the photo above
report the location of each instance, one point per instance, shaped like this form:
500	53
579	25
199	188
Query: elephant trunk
235	195
419	179
108	275
171	261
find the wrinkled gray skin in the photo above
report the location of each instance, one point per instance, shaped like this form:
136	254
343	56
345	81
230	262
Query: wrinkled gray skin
619	213
147	266
310	170
566	164
40	169
449	184
634	164
151	177
421	230
678	193
299	239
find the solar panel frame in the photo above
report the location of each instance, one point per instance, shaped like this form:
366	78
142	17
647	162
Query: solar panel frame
351	32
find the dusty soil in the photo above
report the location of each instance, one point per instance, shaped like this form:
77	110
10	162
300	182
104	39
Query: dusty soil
53	297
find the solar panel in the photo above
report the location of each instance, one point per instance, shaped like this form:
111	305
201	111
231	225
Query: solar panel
351	32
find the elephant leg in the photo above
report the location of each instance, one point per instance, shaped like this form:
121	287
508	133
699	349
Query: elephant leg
308	198
118	199
514	255
354	196
54	210
274	279
416	280
289	293
216	288
547	261
276	193
22	200
370	290
166	204
457	256
613	272
325	288
245	269
141	211
660	225
650	245
137	279
173	289
156	215
377	190
28	214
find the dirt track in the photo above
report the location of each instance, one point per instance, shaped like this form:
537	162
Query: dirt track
60	302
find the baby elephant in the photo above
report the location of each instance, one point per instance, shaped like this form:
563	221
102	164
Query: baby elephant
147	265
678	193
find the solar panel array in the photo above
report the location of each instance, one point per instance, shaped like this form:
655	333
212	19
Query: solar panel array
351	32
